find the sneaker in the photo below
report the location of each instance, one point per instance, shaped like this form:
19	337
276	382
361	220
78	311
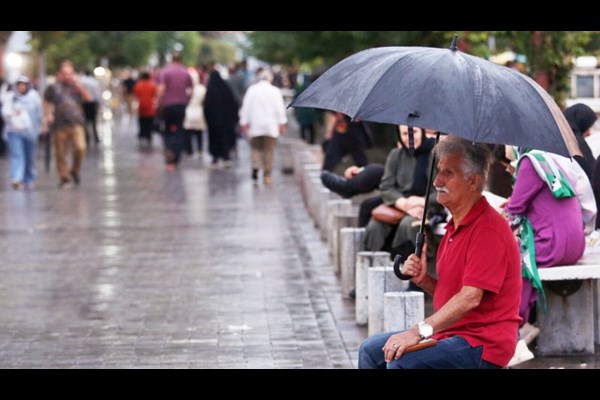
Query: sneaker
64	184
521	355
336	184
227	163
268	180
16	185
75	177
171	167
254	174
528	332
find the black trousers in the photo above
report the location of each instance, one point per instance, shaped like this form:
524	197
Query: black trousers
189	138
90	110
174	135
146	126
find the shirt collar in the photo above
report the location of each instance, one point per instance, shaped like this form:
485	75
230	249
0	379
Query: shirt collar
474	213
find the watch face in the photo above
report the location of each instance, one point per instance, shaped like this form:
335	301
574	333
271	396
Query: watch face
425	330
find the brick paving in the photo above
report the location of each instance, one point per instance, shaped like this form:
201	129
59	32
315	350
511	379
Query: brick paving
144	268
197	268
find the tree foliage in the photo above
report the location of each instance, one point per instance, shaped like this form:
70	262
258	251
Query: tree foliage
549	56
126	48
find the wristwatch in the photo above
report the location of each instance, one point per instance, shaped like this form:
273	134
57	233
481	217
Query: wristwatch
425	330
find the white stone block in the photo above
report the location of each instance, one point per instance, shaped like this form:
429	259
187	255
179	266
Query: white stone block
364	261
351	243
402	310
380	280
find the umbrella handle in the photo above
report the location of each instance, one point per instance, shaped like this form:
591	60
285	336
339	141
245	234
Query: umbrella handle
399	261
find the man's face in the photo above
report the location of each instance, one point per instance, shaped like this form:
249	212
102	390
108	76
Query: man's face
450	182
67	74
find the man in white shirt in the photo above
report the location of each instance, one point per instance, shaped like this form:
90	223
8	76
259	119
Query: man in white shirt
263	119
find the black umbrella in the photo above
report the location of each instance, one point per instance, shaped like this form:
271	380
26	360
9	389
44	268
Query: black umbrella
444	90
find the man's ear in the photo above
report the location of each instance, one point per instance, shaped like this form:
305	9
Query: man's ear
475	181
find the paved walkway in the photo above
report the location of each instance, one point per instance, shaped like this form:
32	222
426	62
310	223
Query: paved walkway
140	267
198	268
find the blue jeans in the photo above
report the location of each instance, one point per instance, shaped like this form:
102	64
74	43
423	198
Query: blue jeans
22	158
454	352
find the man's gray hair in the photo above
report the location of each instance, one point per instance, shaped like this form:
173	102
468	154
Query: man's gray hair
265	75
476	157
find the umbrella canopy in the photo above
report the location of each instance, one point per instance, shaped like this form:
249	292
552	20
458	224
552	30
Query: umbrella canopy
444	90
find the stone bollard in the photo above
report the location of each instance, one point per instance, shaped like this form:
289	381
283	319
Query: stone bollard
300	161
381	280
364	261
335	207
324	196
313	199
307	169
284	148
351	242
341	220
402	310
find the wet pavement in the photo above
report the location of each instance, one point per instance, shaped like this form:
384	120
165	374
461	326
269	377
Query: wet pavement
197	268
140	267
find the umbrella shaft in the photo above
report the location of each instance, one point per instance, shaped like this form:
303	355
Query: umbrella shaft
420	239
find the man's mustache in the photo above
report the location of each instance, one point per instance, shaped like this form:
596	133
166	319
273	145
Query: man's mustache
442	189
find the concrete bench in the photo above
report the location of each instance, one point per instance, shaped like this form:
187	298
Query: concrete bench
571	324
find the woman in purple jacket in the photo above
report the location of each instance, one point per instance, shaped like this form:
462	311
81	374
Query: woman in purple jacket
545	208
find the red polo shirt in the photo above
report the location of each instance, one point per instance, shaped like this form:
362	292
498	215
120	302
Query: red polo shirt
482	252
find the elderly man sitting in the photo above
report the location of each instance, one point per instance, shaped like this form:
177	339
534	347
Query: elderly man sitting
477	293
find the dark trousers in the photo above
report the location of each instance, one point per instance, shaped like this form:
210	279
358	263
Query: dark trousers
341	145
189	138
218	142
368	180
174	134
307	132
90	110
364	211
146	125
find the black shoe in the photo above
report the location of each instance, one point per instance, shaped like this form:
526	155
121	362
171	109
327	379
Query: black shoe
336	184
352	293
254	174
75	177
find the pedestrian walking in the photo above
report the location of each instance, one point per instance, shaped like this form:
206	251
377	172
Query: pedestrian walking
22	110
90	108
221	113
194	122
263	119
174	92
145	91
64	114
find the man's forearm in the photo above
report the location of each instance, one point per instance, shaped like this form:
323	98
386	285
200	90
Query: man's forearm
460	304
428	284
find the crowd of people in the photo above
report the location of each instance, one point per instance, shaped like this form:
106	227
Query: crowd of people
552	206
177	101
480	313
